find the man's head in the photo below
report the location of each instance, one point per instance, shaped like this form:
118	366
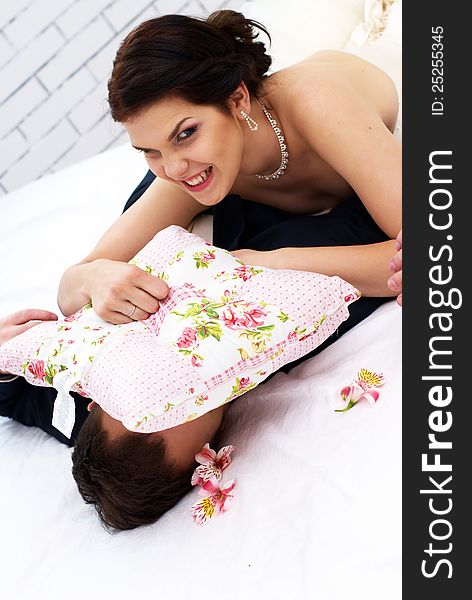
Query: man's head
131	478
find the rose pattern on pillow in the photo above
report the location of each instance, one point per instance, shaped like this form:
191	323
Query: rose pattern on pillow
223	329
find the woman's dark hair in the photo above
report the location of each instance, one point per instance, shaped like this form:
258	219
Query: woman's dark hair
127	479
202	61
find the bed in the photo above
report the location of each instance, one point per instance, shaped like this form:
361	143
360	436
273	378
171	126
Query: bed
317	513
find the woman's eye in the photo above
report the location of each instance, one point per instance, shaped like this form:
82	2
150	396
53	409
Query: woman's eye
186	133
150	153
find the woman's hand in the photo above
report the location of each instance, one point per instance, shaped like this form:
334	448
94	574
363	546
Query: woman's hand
396	264
122	293
268	258
22	320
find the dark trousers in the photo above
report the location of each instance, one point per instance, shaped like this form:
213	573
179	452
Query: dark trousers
237	223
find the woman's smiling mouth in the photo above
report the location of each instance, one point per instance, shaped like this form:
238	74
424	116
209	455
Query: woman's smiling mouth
200	181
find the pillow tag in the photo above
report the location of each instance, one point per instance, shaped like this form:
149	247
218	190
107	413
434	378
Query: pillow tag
63	417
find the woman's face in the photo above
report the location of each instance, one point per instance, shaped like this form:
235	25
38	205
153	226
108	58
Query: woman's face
196	147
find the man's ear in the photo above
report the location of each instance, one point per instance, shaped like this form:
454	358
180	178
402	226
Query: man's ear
90	405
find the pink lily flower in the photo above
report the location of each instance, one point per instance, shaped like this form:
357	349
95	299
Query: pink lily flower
212	464
218	500
362	388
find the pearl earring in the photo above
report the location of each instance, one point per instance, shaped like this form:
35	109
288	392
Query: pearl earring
250	122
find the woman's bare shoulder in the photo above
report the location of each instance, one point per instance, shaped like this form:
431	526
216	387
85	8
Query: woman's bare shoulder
333	59
326	71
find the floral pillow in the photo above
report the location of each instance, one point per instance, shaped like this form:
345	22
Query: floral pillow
222	330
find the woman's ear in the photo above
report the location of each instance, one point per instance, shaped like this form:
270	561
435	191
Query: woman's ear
240	99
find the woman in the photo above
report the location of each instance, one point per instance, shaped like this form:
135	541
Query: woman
316	137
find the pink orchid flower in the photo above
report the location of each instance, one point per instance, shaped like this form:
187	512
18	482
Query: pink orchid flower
212	464
217	499
362	388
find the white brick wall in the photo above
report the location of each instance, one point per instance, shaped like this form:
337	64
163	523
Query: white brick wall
29	60
79	15
12	147
21	104
55	59
58	105
71	58
36	162
29	24
6	50
10	10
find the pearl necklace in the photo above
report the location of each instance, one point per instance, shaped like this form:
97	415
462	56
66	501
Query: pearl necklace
283	148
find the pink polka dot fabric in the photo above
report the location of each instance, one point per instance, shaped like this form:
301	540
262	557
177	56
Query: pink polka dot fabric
222	330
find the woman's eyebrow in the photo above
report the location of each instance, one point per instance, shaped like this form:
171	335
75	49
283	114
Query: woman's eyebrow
174	131
176	128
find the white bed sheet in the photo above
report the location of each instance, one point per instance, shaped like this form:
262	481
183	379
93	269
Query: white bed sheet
317	512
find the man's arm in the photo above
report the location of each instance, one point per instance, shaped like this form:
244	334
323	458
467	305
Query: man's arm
22	320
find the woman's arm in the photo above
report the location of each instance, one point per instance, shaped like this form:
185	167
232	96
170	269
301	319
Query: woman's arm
365	267
105	278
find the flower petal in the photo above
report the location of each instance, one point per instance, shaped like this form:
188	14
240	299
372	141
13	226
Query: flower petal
369	379
196	478
371	396
205	455
223	457
228	487
346	392
203	510
207	471
210	486
225	504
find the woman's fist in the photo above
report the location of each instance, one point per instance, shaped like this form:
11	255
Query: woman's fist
122	293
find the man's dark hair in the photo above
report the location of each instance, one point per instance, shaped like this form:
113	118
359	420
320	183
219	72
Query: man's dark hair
127	479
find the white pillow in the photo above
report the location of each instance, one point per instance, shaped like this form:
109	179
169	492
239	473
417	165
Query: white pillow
384	50
303	27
